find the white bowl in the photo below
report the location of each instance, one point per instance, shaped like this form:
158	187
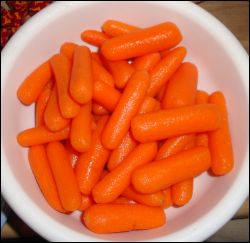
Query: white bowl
222	64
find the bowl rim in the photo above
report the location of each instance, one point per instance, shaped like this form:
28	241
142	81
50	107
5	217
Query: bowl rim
209	223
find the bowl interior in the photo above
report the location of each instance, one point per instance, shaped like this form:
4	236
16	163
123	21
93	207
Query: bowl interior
217	71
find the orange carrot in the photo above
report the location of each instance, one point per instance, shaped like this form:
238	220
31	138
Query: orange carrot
149	104
122	200
67	49
201	139
167	198
115	28
177	121
174	145
141	42
128	105
111	218
30	89
191	144
161	174
86	202
153	200
40	135
73	154
95	56
201	97
52	116
41	169
121	152
105	95
80	134
81	82
182	192
147	62
121	71
159	96
64	176
220	140
61	68
182	87
90	164
164	53
165	69
99	110
103	174
94	37
101	74
42	103
113	184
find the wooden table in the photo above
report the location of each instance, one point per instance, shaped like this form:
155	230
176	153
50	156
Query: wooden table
234	14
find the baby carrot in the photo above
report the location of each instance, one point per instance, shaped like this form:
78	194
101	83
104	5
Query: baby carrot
147	62
149	104
191	144
61	68
121	152
111	218
159	96
67	49
182	87
40	135
53	118
177	121
161	174
30	89
64	176
121	71
41	104
90	164
41	169
105	95
201	97
80	134
86	202
128	105
182	192
99	110
73	154
115	28
167	198
161	73
220	140
122	200
174	145
95	56
113	184
201	139
94	37
153	199
81	81
101	74
141	42
164	53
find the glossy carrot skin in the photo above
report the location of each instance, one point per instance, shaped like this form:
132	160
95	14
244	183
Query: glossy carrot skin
68	190
40	135
90	164
168	202
80	134
73	154
94	37
67	49
113	184
42	103
147	62
41	169
99	110
111	218
219	141
141	42
161	73
61	67
177	121
116	28
81	81
86	202
161	174
128	105
53	118
30	89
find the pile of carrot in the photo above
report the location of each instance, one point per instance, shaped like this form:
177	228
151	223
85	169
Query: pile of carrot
121	133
